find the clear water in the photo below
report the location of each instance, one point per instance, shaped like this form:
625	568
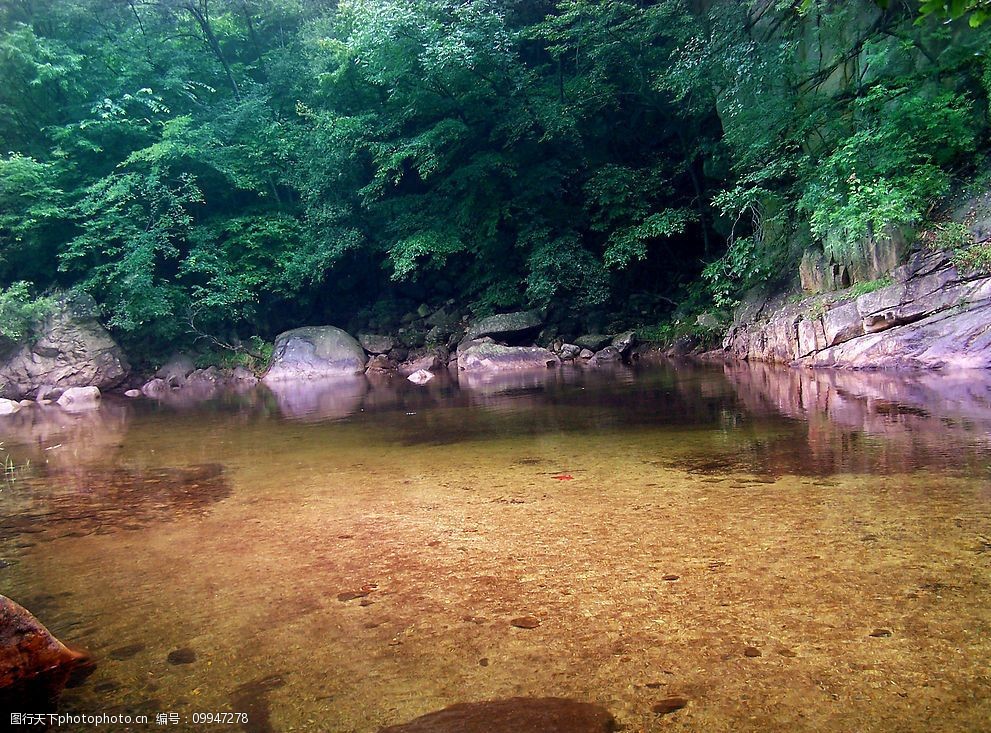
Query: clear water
352	556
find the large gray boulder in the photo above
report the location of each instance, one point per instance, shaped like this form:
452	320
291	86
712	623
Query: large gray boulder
488	356
315	352
506	325
72	350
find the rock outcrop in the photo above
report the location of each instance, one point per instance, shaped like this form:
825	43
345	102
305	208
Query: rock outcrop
490	356
73	350
315	352
515	715
931	316
34	665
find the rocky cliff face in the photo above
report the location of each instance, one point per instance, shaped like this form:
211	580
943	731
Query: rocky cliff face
72	350
931	316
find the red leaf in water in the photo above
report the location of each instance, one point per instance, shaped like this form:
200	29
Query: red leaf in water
563	477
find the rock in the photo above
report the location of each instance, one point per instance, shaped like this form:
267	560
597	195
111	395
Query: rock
525	622
181	656
931	316
9	407
176	369
426	363
133	393
487	356
204	379
881	633
381	363
34	665
315	352
514	715
376	344
420	376
79	398
48	392
751	651
593	341
73	350
507	326
155	388
585	354
668	705
671	577
26	403
569	351
423	310
608	355
623	342
243	375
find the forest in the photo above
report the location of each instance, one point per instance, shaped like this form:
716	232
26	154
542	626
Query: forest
227	169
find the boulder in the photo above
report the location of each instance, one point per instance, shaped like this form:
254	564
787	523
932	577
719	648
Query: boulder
9	407
315	352
155	388
426	363
514	715
176	369
243	375
132	393
381	363
507	326
205	379
488	356
73	350
586	354
624	341
375	343
420	376
608	355
79	398
569	351
34	665
593	341
48	392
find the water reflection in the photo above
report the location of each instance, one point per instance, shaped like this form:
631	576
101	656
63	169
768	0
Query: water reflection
869	422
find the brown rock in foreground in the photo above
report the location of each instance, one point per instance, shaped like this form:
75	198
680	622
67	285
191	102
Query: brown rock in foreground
514	715
34	665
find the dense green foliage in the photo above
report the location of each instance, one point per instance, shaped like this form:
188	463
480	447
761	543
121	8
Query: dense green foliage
235	167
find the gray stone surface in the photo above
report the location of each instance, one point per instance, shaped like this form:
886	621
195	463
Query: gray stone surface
79	398
488	356
315	352
930	317
73	350
506	325
375	343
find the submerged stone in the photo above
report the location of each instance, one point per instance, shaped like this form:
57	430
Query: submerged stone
668	705
525	622
184	655
34	666
514	715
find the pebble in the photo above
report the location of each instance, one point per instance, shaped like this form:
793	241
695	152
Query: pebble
526	622
669	705
671	577
751	651
881	633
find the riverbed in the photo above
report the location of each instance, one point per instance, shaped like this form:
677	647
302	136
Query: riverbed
787	550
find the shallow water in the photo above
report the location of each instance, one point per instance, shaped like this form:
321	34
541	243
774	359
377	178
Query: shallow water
348	557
